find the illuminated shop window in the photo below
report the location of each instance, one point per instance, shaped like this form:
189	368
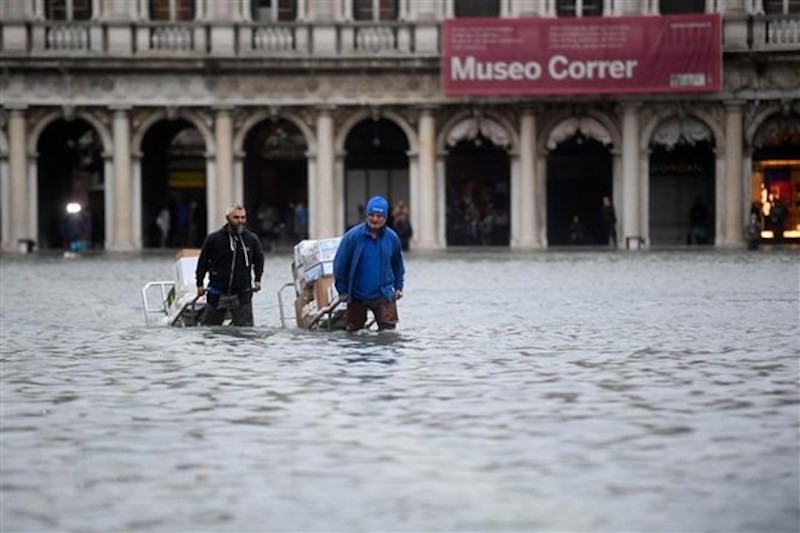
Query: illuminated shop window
782	7
473	8
274	10
375	10
579	8
68	9
172	10
676	7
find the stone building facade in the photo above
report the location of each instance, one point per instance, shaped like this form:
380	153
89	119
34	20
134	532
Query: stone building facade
309	106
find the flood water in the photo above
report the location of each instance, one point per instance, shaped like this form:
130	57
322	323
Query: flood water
546	391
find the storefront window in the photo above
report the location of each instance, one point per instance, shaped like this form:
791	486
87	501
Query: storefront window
775	185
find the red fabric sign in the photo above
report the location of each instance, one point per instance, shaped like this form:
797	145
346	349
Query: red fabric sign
591	55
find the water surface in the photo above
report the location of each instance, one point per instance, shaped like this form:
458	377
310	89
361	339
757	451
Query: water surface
557	391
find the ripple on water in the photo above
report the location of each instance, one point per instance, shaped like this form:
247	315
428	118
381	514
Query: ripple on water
556	390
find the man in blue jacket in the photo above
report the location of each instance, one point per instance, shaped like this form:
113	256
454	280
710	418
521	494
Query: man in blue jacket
368	269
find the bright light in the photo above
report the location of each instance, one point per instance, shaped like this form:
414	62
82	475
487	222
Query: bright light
73	207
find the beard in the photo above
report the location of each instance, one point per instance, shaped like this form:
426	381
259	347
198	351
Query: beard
237	228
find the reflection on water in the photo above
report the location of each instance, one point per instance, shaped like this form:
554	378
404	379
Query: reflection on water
542	391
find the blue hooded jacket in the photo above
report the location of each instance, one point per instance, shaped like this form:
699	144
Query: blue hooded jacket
348	254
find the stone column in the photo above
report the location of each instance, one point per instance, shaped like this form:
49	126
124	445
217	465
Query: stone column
18	184
719	195
323	223
526	235
734	206
32	206
631	181
223	130
413	189
644	172
425	233
136	169
441	194
238	180
541	198
215	212
122	208
618	186
108	198
4	203
339	179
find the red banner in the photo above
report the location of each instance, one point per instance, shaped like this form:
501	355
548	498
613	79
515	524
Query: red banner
591	55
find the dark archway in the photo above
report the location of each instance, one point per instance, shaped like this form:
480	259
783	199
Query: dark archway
682	197
478	193
276	182
173	178
376	164
579	174
70	171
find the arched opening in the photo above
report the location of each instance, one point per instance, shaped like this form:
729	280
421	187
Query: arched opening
682	183
376	164
173	185
276	182
579	175
478	192
775	185
71	185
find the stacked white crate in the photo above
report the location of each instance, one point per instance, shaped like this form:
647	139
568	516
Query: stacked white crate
313	276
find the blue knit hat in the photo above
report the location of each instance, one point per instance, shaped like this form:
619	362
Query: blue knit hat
378	205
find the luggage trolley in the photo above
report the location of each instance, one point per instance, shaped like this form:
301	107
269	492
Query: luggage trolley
316	303
175	302
331	316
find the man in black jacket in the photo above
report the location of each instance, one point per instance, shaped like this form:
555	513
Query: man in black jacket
234	261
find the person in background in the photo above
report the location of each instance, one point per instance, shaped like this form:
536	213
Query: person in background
577	232
301	221
234	261
698	222
609	219
368	269
401	224
777	218
163	223
752	231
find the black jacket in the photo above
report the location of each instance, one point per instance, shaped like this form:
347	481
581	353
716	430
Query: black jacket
229	259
